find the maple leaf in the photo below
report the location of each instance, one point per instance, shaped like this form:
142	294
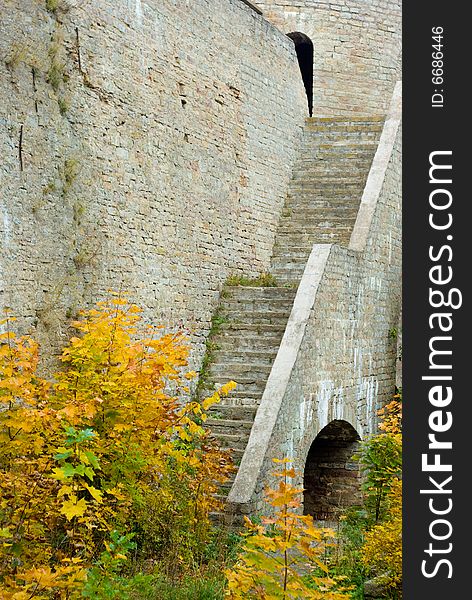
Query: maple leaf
73	508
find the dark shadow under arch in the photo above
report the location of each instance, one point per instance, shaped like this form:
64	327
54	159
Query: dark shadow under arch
305	52
332	478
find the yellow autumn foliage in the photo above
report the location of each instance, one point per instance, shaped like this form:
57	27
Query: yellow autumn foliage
382	550
283	559
81	456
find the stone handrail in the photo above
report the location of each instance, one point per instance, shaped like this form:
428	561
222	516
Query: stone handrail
377	172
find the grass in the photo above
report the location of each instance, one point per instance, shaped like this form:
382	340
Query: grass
55	75
206	580
17	56
69	173
262	280
211	347
63	106
190	588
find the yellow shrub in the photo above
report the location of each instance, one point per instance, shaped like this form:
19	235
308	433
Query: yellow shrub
283	557
80	456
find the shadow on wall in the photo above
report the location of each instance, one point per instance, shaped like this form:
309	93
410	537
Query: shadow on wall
332	478
305	53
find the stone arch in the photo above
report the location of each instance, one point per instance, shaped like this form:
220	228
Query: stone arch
331	477
305	54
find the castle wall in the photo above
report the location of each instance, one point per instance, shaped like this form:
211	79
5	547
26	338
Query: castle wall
146	146
357	50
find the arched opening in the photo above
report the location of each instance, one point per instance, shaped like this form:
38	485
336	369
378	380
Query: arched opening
332	478
304	50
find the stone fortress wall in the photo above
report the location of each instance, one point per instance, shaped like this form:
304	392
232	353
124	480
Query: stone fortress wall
148	146
357	47
145	146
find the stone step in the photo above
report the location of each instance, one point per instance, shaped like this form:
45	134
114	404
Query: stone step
353	183
284	253
246	383
230	427
317	130
318	191
277	304
280	265
290	274
309	196
320	228
240	397
238	412
259	293
312	203
256	329
240	371
346	131
235	442
309	202
360	120
312	214
239	339
295	252
326	184
231	356
339	156
323	164
319	168
251	315
338	150
288	240
312	221
311	143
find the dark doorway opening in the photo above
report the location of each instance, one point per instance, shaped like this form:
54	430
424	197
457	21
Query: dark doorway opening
304	50
332	478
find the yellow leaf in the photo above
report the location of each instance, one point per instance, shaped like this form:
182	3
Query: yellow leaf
73	509
227	387
184	435
96	494
64	490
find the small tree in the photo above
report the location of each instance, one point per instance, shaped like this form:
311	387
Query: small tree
283	557
381	461
382	550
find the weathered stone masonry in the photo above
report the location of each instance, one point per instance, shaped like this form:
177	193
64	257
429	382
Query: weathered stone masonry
148	146
168	168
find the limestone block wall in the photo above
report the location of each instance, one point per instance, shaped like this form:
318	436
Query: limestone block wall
357	50
336	360
145	145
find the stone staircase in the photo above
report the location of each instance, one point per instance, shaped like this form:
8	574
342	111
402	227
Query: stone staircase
254	320
325	191
321	207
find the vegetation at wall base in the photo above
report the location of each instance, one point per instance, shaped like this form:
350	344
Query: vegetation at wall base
284	556
369	548
108	479
104	471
